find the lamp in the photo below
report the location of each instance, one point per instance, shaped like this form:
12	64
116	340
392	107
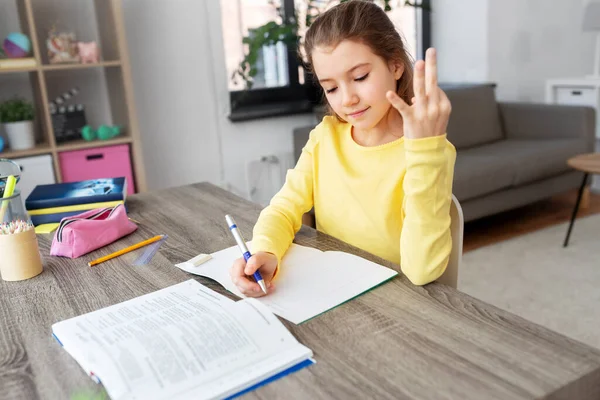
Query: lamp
591	23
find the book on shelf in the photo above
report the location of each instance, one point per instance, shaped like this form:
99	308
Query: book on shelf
17	62
185	341
79	193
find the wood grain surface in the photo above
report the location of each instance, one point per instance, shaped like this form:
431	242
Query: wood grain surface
589	163
397	341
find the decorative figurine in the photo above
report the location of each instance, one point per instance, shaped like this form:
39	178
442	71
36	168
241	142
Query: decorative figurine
88	52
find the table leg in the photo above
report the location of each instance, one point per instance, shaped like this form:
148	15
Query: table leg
585	198
574	215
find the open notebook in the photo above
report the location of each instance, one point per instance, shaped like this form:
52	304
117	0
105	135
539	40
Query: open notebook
182	342
309	281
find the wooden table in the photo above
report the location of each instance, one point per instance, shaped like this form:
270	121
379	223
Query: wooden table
397	341
589	164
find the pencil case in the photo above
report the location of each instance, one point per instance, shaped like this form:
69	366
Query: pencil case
91	230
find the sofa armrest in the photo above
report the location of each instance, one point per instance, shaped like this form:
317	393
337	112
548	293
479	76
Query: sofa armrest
548	121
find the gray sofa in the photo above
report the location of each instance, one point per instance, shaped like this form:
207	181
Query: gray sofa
508	154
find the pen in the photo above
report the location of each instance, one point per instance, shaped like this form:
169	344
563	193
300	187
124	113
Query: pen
244	249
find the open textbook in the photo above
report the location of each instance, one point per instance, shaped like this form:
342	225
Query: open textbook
309	281
182	342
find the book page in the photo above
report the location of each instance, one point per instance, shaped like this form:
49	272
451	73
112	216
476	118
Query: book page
182	340
309	281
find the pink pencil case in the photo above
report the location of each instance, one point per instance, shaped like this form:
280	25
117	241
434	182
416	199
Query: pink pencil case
88	231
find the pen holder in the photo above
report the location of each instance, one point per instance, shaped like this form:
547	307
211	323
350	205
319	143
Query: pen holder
19	252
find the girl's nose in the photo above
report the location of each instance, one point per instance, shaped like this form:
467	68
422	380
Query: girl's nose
349	98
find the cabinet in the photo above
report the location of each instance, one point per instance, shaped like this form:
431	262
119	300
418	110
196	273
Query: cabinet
105	87
585	92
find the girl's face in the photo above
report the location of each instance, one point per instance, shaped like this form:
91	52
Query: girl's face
355	81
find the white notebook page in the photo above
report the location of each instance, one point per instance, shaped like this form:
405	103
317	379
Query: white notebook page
309	281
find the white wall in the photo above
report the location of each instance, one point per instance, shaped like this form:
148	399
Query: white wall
180	85
518	44
174	91
459	31
534	40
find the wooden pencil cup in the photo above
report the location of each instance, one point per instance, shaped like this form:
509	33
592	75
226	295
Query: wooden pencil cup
19	252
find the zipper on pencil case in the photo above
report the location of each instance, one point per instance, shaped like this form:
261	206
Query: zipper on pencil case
91	217
67	221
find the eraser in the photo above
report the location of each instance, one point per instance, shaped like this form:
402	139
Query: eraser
200	259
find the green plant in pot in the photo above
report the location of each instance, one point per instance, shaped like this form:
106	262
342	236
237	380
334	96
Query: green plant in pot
265	35
16	116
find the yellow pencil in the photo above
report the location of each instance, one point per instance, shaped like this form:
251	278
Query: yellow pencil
126	250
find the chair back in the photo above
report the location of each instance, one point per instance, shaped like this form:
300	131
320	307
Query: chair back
450	275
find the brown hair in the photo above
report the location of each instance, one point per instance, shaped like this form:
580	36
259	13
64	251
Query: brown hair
365	22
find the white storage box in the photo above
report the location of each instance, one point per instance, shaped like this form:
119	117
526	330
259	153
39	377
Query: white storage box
37	170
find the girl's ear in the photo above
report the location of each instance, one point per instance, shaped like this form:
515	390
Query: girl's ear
397	70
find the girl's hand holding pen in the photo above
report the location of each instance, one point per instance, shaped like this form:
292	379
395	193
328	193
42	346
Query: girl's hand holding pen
241	273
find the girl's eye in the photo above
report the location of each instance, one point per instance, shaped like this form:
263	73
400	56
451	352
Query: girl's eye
362	78
330	90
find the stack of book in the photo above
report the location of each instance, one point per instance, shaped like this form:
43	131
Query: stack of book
48	204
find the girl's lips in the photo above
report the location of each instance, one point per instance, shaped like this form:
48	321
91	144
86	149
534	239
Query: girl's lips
358	113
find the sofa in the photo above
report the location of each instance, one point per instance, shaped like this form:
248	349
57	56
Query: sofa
508	154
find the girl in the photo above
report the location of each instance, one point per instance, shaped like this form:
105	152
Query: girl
379	171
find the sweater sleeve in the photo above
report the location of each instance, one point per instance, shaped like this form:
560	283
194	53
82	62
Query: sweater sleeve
279	222
425	241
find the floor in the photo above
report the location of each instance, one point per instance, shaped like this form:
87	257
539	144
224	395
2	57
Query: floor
536	278
527	219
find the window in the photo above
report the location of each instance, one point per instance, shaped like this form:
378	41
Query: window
239	18
278	84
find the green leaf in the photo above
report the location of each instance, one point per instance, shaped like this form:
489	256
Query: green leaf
16	110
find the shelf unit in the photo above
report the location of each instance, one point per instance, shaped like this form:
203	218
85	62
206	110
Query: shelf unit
109	87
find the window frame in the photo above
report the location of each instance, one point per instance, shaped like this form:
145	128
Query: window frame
294	98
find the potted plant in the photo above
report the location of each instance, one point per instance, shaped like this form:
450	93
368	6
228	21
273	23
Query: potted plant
17	116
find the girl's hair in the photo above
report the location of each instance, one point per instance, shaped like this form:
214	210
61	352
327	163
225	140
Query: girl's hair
367	23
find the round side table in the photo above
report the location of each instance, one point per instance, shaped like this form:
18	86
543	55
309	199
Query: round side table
588	164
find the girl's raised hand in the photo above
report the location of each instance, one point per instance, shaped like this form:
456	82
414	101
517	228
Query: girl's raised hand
430	110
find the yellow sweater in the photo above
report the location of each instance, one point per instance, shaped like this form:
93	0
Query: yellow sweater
391	200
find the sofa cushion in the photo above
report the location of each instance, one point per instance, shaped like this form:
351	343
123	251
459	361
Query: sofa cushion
534	160
508	163
478	173
475	117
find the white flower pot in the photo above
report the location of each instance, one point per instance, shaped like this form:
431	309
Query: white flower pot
21	135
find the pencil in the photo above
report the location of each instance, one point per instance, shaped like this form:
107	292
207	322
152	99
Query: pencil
126	250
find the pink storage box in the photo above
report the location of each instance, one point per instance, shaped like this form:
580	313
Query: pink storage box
97	163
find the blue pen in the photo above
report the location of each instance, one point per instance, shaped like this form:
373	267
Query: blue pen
244	249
